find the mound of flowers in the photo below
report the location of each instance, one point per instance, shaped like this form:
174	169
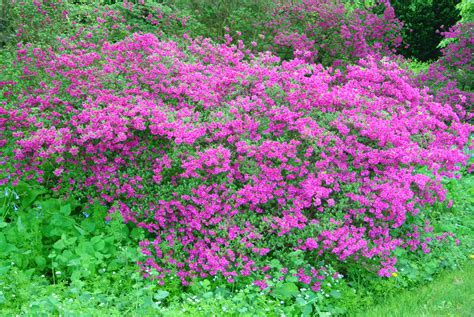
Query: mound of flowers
230	160
451	77
328	32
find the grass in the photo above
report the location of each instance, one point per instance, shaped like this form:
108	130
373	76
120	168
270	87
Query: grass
451	294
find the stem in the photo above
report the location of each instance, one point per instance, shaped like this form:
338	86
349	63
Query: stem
52	272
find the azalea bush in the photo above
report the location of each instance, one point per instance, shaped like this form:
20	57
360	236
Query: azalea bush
216	18
44	22
231	161
321	31
451	76
327	32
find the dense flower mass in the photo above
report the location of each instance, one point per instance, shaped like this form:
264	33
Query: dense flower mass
230	159
328	31
451	77
227	159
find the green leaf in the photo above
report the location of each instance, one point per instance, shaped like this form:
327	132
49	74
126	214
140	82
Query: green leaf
307	310
336	294
70	241
40	261
286	290
160	295
74	262
88	225
208	295
76	275
30	196
4	269
50	205
137	234
59	244
80	230
147	302
99	246
291	278
300	301
65	210
19	225
205	284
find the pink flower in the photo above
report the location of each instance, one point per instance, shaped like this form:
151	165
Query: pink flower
57	172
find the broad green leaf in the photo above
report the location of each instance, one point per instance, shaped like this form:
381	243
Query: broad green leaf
80	230
40	261
65	210
30	196
59	244
76	275
307	310
99	246
336	294
161	295
4	269
286	290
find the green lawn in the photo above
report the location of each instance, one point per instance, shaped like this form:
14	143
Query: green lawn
451	294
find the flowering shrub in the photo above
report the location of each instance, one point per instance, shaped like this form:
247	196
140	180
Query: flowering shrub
32	21
329	31
451	77
229	160
35	21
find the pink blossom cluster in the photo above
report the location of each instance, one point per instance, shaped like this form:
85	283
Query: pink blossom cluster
328	31
451	77
229	159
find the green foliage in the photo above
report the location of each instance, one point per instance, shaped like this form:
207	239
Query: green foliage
26	24
56	258
466	12
52	244
214	19
421	20
416	66
466	9
23	23
450	295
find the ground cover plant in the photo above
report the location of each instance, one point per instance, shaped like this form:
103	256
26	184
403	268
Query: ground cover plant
449	296
206	175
